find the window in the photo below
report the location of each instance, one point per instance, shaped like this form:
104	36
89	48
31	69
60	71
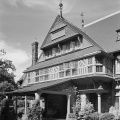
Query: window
41	71
99	60
68	46
99	68
67	65
74	71
117	66
72	45
89	69
29	74
61	67
68	72
61	74
36	79
28	80
74	64
63	48
89	61
37	72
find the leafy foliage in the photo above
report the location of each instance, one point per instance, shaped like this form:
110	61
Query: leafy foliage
7	110
85	111
7	82
107	116
93	116
35	112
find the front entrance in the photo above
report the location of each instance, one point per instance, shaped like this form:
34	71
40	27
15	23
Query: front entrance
55	106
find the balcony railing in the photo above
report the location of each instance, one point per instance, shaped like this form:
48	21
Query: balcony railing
77	68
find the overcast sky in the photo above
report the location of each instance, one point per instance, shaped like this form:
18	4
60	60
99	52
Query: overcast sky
21	21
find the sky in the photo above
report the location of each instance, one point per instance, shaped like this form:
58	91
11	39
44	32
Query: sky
23	21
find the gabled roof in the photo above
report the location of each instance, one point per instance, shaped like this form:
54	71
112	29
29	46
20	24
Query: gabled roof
60	21
103	31
66	57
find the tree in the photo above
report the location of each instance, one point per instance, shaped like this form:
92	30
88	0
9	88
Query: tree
7	82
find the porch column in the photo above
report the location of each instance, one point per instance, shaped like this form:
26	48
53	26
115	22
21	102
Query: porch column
37	97
119	101
25	105
16	105
99	103
68	105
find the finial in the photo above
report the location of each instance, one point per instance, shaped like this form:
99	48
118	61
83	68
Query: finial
61	6
82	15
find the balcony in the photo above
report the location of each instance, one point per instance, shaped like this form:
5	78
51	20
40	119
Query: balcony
93	66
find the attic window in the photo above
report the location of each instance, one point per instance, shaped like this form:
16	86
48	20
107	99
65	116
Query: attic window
57	34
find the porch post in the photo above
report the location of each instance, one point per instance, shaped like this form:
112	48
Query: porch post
119	101
16	105
99	103
68	105
37	97
25	105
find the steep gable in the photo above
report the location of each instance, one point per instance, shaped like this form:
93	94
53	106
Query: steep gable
62	30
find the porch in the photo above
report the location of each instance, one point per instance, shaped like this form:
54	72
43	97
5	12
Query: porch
58	97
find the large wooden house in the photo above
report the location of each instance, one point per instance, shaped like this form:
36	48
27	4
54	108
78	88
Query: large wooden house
71	58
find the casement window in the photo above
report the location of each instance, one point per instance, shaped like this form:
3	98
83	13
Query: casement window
36	79
54	51
63	48
99	64
90	69
117	66
37	72
99	60
68	47
28	80
90	61
72	45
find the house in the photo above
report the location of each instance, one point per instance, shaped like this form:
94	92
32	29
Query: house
70	58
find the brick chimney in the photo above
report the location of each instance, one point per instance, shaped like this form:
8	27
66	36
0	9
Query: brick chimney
34	52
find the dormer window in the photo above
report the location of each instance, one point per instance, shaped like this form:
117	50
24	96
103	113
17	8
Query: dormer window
58	33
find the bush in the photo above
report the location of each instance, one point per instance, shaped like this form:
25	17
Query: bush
7	110
107	116
35	113
93	116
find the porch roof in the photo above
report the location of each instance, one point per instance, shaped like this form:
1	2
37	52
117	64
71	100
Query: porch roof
36	87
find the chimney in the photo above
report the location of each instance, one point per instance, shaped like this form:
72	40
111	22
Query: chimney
118	35
34	52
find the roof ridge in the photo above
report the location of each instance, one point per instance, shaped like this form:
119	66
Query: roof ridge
100	19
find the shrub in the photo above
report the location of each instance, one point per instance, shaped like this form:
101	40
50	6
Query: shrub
35	113
93	116
88	109
7	110
107	116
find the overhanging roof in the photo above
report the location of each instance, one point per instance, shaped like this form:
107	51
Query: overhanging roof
36	87
65	58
